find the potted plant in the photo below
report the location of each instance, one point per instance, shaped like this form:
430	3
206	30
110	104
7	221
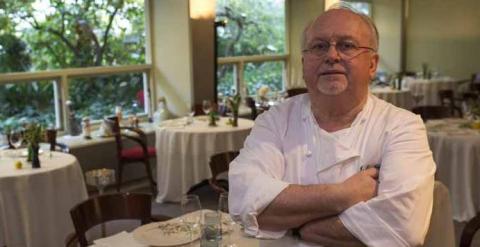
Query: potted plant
33	135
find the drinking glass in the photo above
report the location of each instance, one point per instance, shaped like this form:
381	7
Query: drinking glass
16	139
226	219
417	98
192	215
206	106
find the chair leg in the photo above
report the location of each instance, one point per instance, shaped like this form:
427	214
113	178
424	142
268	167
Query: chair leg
119	175
149	175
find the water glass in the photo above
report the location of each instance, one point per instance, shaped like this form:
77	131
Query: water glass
192	215
226	219
211	230
206	106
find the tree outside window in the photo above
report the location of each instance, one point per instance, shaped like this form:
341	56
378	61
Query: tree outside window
38	35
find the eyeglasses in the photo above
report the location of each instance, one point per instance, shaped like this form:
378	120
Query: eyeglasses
346	49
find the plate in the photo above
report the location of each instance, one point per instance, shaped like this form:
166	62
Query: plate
168	233
25	152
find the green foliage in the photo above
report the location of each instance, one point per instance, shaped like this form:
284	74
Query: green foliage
65	34
253	28
34	134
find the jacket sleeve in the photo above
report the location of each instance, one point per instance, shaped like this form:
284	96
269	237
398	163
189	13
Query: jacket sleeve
255	176
400	214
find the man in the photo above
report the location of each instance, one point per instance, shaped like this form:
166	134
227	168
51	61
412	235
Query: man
310	164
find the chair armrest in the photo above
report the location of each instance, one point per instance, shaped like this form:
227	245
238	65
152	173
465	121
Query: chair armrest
71	240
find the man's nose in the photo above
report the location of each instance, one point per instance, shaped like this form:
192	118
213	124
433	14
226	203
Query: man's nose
332	55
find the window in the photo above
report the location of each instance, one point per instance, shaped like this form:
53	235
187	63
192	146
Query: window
362	6
64	43
251	46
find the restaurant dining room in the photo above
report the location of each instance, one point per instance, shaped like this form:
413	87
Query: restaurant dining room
238	123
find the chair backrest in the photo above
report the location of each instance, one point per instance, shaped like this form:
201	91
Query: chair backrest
296	91
432	112
114	126
475	82
469	231
104	208
441	232
51	138
447	98
253	108
219	163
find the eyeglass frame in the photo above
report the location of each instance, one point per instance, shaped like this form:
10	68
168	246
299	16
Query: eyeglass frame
341	54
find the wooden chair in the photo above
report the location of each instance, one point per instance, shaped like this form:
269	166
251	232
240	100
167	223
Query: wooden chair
475	82
469	231
296	91
441	231
432	112
140	153
51	138
447	98
219	163
108	207
253	108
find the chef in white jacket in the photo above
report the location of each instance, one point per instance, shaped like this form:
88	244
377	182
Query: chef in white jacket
337	165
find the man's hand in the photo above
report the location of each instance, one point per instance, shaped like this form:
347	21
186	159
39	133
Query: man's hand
360	187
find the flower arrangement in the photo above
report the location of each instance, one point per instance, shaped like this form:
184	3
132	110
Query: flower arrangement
33	135
234	105
263	91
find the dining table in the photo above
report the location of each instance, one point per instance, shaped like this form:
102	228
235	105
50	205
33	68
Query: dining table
35	202
400	98
184	149
153	235
427	89
455	145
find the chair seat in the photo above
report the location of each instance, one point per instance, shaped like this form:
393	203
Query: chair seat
137	152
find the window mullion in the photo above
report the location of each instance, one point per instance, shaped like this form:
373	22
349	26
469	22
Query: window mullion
64	97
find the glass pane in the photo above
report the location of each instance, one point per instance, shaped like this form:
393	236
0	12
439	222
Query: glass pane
52	34
363	7
97	97
25	102
226	79
264	73
253	27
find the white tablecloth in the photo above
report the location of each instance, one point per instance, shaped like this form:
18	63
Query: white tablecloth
400	98
35	203
183	152
429	88
456	152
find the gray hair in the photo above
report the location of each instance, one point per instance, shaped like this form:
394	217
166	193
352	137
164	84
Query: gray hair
345	6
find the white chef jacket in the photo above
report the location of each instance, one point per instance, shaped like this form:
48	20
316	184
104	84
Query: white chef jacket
286	146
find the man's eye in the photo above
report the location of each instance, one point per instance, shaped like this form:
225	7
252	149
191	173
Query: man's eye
345	46
321	46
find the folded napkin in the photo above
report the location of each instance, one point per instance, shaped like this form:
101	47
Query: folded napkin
122	239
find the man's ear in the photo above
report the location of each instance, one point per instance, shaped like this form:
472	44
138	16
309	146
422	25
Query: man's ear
373	65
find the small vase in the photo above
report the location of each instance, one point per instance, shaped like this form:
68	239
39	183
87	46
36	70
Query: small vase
235	119
35	160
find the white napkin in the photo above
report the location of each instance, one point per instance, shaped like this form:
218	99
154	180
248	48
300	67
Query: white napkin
122	239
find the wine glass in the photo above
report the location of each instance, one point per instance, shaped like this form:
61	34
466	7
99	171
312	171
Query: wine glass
191	207
206	106
417	98
16	140
226	219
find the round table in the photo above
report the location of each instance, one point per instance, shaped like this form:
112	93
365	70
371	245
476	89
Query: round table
399	98
456	152
184	151
35	203
429	88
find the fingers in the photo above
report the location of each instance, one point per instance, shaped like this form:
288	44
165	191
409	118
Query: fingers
372	172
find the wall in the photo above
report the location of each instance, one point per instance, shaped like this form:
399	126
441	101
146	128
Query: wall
171	49
446	35
387	18
301	12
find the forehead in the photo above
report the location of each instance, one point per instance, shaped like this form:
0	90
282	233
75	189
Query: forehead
338	24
